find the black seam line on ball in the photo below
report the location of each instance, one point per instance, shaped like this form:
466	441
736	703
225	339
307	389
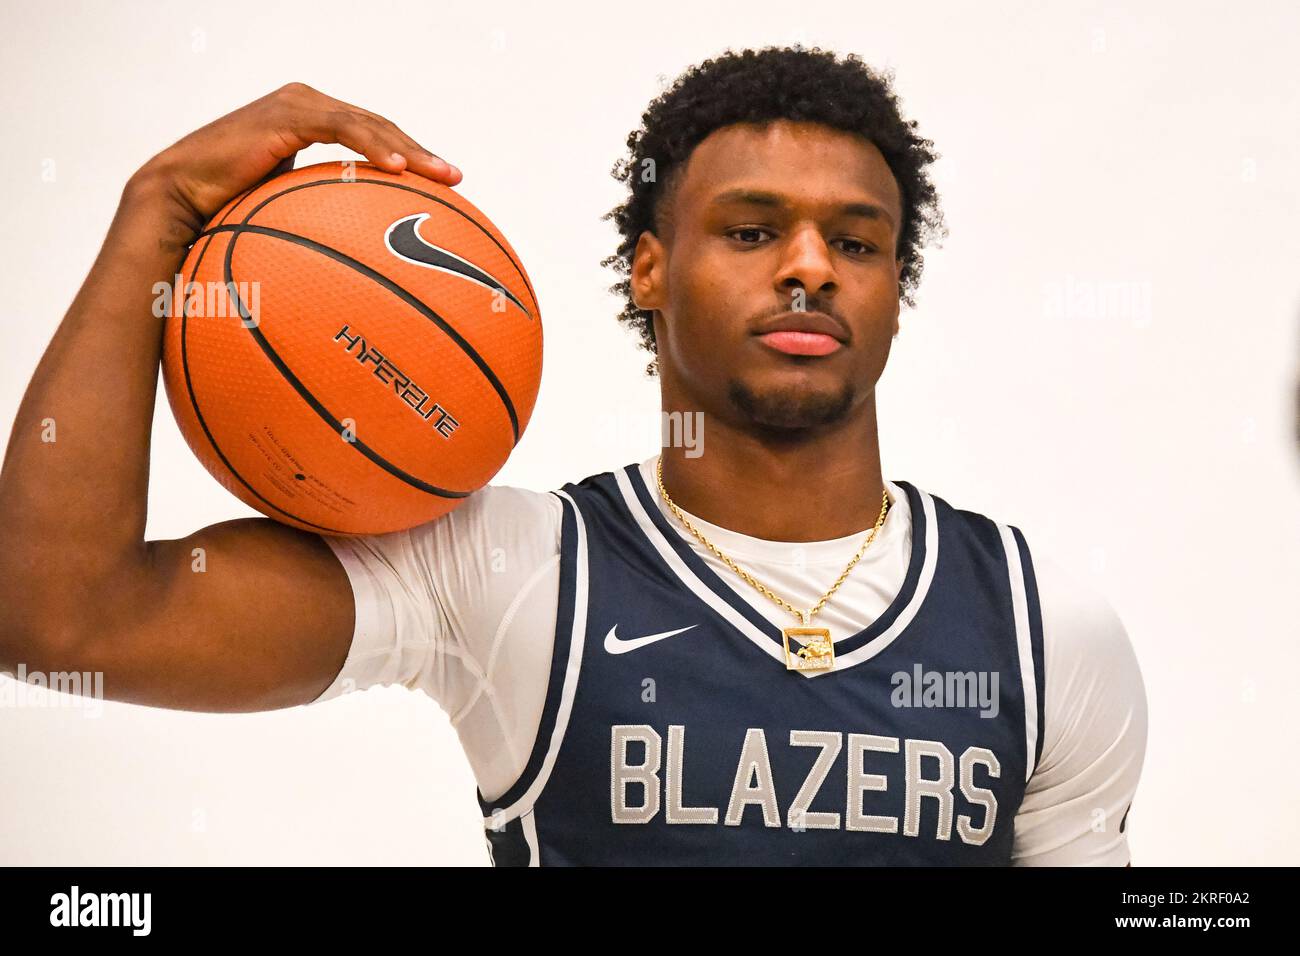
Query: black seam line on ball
194	400
294	381
410	189
483	367
407	297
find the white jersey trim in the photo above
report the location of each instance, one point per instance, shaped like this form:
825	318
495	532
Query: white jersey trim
706	594
1024	644
529	823
928	565
524	804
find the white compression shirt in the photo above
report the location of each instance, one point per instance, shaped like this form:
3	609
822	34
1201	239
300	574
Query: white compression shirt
463	608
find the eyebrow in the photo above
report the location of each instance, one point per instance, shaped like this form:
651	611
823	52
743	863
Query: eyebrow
759	197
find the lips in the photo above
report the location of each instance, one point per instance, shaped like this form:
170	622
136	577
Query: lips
804	333
801	343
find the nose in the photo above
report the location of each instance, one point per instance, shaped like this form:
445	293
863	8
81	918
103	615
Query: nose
806	264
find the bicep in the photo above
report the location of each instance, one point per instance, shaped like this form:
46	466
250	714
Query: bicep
245	615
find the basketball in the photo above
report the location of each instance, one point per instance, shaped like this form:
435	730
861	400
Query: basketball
351	351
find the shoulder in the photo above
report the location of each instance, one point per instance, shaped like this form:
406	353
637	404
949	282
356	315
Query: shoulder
495	534
1094	729
497	502
1082	621
1089	659
1094	708
989	535
1095	705
425	598
514	516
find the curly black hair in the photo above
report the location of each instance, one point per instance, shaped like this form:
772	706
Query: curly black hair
760	86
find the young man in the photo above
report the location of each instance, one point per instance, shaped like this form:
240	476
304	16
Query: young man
755	650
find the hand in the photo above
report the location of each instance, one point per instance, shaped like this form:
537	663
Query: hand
198	175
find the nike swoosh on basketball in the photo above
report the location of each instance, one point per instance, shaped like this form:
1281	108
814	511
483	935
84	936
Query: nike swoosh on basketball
403	240
616	645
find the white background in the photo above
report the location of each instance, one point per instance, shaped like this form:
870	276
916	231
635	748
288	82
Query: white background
1149	445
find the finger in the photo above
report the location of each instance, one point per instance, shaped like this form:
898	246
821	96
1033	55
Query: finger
316	117
418	158
424	161
375	136
358	133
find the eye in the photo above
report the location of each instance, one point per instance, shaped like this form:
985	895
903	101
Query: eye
736	233
864	248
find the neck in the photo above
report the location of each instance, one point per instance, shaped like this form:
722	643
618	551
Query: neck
824	486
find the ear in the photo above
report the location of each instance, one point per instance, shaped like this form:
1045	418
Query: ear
648	271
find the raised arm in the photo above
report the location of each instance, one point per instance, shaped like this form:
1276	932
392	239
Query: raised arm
267	621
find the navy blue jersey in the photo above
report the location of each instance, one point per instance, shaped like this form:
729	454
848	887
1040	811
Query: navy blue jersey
673	732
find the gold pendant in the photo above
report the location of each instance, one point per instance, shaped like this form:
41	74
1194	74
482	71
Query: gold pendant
817	652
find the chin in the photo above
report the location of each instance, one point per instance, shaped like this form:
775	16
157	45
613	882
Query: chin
791	405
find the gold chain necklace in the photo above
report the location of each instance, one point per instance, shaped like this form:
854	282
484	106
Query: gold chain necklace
817	651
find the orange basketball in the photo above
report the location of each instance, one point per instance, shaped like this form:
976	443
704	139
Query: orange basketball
351	351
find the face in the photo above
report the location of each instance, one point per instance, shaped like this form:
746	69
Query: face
765	221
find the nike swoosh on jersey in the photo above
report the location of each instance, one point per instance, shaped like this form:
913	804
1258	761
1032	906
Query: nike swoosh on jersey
617	645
